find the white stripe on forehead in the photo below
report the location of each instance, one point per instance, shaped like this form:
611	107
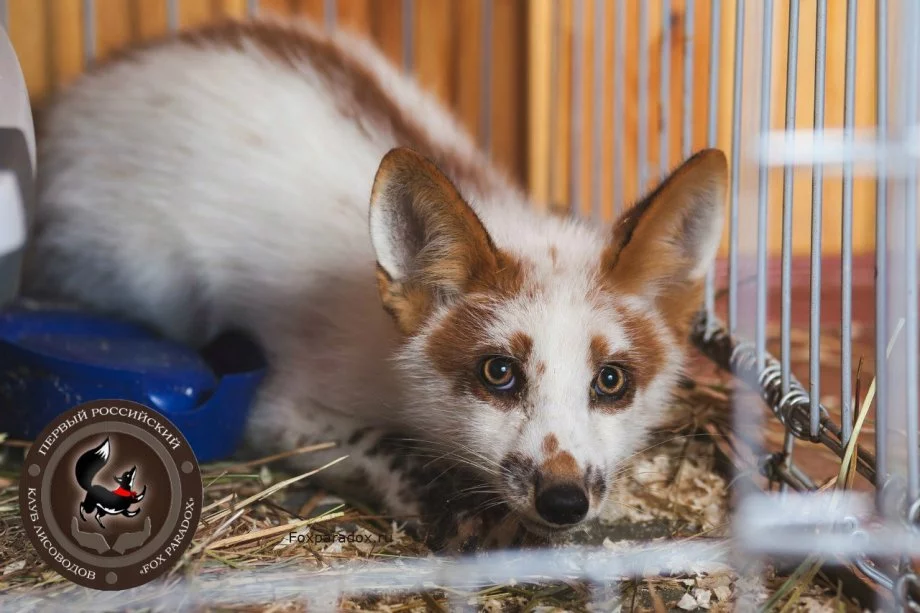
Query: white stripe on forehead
561	319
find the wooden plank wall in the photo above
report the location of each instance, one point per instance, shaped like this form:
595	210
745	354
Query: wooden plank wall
549	169
530	109
48	37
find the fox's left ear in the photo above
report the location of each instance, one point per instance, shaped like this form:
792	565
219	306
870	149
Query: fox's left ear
431	247
662	247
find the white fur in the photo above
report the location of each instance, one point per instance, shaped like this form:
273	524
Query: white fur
197	189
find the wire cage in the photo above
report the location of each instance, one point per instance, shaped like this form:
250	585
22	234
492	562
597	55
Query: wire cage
816	104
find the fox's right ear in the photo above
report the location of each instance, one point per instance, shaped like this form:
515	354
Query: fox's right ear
662	247
430	245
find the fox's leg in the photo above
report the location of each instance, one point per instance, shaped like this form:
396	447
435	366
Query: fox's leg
382	467
128	513
99	515
140	496
86	506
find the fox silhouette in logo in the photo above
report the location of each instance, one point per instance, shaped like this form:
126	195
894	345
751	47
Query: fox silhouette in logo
99	499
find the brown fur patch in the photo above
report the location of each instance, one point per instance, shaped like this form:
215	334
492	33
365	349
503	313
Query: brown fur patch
360	95
643	361
540	368
553	256
506	280
560	467
458	345
521	345
550	444
600	350
647	357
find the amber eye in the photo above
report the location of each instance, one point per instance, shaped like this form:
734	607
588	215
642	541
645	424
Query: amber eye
610	382
498	373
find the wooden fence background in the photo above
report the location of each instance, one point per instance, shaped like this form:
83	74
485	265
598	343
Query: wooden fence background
529	111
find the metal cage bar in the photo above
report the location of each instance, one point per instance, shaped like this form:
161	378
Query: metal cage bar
408	35
89	32
846	268
172	15
734	191
760	324
715	18
619	105
485	87
686	139
911	345
642	93
881	242
330	14
575	132
817	202
597	107
664	124
792	55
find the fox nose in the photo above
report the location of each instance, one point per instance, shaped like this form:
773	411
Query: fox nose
562	504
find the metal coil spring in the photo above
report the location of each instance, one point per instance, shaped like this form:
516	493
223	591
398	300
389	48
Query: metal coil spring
740	358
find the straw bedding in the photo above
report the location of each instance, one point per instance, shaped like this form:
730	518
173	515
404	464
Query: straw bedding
677	488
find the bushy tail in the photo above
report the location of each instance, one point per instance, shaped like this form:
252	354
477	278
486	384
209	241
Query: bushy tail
91	463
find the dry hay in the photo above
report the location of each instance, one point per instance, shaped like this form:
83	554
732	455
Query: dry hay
677	488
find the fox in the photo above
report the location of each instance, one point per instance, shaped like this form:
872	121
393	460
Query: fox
463	347
99	499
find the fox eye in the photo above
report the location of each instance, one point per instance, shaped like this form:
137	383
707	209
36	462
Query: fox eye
498	373
611	383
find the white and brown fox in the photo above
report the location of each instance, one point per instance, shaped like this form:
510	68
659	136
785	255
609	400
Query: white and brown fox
272	178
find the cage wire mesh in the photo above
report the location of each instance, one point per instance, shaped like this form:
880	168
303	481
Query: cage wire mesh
876	532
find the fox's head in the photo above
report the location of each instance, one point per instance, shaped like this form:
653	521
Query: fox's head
126	480
543	355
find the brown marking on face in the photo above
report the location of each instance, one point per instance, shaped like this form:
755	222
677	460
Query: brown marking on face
521	345
540	368
459	342
553	256
506	280
641	363
457	347
560	467
646	357
600	350
550	444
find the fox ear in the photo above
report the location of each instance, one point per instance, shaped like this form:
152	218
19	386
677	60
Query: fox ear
430	245
663	246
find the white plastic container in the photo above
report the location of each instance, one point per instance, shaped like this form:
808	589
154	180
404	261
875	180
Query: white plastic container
17	167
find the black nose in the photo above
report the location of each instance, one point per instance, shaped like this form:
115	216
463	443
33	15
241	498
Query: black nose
563	504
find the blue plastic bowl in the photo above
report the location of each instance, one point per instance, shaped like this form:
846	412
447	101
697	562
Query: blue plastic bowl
52	359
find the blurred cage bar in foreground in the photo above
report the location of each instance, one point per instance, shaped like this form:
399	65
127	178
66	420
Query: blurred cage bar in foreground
590	102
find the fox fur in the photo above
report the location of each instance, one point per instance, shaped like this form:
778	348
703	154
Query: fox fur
273	178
